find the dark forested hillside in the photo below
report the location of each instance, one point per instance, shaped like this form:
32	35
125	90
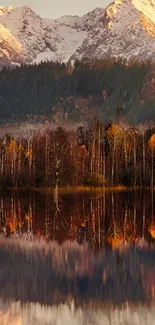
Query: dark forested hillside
60	91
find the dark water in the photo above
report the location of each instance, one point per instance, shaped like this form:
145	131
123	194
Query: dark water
79	259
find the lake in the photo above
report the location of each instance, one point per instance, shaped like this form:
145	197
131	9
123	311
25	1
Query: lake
77	259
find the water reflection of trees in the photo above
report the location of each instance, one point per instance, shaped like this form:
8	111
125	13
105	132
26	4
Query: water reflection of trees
40	270
114	218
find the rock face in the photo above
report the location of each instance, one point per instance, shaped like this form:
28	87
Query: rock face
125	29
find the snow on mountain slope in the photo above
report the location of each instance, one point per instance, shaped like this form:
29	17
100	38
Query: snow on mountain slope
127	33
126	28
30	30
146	7
73	30
42	39
71	38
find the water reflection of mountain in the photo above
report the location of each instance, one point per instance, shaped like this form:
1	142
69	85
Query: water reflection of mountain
50	274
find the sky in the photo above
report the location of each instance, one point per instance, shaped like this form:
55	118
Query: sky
57	8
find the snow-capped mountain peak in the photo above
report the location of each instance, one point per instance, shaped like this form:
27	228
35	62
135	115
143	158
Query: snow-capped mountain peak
126	28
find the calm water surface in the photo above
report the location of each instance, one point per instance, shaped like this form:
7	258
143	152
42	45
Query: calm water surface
77	259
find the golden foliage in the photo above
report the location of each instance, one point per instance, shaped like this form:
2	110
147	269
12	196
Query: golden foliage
116	241
113	133
28	154
114	130
13	147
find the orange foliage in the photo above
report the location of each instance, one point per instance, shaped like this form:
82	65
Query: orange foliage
152	141
13	224
28	217
152	231
116	241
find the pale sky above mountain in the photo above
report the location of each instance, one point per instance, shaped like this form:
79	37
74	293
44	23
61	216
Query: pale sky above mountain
57	8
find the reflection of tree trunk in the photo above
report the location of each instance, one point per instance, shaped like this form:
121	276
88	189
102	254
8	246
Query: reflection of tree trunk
57	176
2	217
104	207
2	166
134	163
30	215
99	221
152	167
83	172
134	215
46	216
56	190
56	198
91	206
113	213
93	156
144	159
91	163
125	220
143	215
152	205
104	161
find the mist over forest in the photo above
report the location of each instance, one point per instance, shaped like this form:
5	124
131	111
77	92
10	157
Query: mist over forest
83	124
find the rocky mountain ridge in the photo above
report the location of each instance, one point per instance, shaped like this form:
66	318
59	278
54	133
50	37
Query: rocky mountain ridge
125	29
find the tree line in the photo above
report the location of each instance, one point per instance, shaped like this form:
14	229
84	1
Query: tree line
95	155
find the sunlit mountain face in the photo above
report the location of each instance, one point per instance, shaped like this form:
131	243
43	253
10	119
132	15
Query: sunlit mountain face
125	29
81	259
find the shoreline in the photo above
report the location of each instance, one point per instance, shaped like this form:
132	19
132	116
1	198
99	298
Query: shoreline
76	189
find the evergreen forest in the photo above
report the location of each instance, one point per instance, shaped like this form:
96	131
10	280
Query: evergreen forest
102	89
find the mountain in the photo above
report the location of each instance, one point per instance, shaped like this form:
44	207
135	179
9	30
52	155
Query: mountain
125	29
